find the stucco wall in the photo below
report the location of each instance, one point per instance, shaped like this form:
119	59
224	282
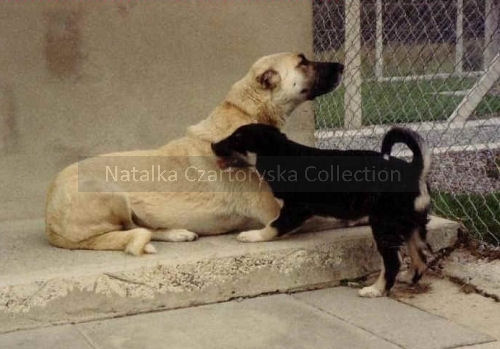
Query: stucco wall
90	77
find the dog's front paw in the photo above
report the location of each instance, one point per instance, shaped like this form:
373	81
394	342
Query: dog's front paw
180	235
265	234
149	249
370	292
174	235
250	236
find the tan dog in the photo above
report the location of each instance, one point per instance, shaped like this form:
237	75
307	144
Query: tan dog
107	218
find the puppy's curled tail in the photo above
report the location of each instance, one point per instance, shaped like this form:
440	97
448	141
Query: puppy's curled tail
421	159
421	154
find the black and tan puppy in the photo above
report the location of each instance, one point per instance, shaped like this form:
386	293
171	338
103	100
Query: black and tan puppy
351	184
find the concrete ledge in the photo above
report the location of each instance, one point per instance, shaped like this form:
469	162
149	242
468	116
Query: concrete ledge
42	285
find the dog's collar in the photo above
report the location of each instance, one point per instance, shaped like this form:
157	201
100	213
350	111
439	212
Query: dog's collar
228	104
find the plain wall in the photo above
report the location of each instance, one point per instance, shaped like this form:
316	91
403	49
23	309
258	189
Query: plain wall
91	77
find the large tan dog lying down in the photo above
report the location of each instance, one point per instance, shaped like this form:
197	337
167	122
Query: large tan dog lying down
108	218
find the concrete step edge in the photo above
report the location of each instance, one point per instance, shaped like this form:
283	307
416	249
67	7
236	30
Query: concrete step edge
305	261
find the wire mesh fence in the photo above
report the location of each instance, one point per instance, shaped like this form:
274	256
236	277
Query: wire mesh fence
432	66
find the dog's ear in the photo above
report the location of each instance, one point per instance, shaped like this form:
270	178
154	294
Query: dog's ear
269	79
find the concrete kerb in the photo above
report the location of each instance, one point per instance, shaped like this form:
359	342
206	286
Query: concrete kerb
213	269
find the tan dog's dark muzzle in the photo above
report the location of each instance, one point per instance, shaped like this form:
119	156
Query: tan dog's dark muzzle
327	76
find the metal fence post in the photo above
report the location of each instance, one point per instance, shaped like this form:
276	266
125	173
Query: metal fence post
459	43
491	31
352	76
477	92
379	41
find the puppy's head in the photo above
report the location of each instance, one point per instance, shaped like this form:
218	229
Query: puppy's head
242	148
289	79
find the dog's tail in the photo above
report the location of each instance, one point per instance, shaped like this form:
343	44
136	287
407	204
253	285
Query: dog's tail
421	154
421	158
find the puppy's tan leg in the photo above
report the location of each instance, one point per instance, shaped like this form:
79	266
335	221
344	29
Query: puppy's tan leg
265	209
405	276
416	248
134	241
174	235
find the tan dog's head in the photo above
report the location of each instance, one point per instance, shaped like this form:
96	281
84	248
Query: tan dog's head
288	79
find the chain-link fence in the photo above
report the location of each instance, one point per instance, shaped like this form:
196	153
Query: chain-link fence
434	67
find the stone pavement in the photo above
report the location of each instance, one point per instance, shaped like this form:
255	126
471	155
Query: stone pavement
328	318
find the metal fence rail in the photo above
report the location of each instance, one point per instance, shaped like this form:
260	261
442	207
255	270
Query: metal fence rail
433	66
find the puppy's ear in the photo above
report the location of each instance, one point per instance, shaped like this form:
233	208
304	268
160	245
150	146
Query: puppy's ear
269	79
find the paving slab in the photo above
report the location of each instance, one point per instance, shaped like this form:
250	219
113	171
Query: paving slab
483	274
60	337
42	285
277	321
396	322
492	345
452	301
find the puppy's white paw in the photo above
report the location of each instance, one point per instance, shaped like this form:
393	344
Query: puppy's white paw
149	249
371	292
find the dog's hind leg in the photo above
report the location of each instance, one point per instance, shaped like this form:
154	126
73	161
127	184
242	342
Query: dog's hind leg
387	276
290	219
378	288
134	241
406	276
388	244
392	264
416	248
